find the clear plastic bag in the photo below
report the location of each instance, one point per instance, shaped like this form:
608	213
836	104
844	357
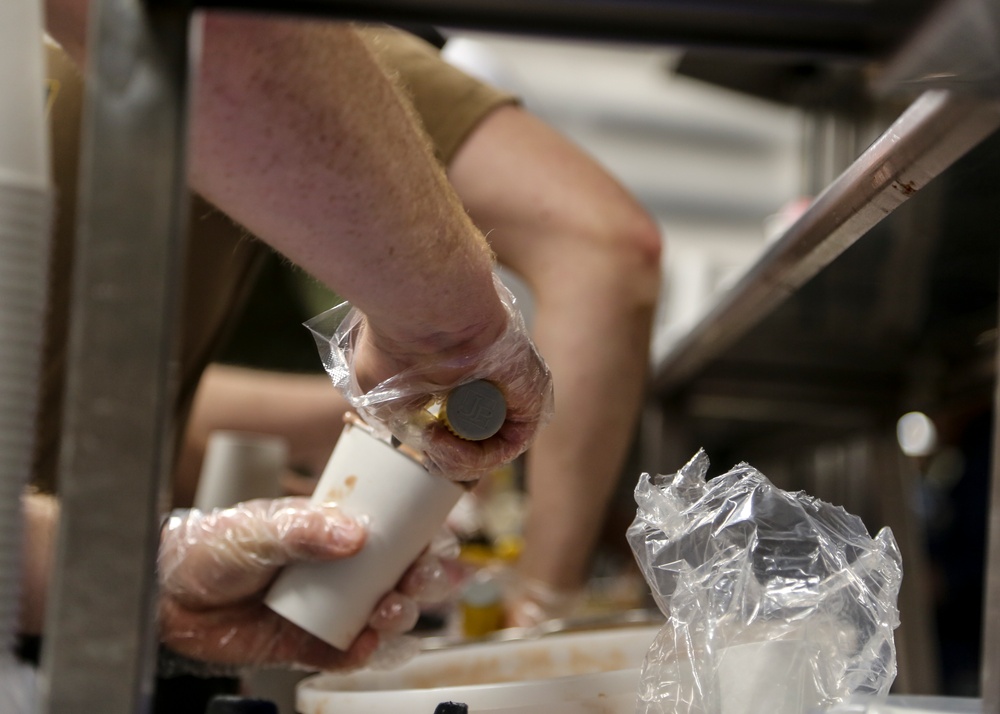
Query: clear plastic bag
776	602
397	406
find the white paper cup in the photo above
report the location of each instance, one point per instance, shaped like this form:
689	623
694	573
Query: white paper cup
405	505
240	466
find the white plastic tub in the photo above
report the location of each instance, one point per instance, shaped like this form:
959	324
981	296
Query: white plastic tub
903	704
578	672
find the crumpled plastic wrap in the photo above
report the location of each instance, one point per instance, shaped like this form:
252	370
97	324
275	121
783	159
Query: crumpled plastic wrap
397	406
776	602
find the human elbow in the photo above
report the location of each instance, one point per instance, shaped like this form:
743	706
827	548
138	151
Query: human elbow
631	246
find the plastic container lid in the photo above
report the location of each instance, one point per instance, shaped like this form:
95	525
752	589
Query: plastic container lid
556	674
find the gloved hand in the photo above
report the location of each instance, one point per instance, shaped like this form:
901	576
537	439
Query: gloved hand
215	569
396	404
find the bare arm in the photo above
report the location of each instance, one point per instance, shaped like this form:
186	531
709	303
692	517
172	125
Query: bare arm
299	135
339	168
591	255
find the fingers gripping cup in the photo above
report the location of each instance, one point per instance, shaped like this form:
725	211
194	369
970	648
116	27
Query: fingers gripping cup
405	506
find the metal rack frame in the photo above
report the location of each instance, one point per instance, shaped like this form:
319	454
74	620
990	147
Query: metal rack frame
100	639
935	131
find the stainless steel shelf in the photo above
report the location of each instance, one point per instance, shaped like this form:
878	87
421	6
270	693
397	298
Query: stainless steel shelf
935	131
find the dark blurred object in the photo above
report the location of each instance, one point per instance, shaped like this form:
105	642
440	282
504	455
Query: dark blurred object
269	334
957	538
29	649
427	33
805	83
451	708
188	693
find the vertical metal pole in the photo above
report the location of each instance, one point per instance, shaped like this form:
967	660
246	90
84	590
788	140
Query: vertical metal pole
990	672
896	479
957	45
100	627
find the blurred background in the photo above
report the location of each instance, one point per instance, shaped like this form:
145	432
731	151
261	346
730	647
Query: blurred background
870	387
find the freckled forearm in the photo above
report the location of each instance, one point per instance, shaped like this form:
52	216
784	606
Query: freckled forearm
297	134
337	168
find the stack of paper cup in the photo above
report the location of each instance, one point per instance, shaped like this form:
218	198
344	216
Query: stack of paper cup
405	506
25	221
24	147
240	466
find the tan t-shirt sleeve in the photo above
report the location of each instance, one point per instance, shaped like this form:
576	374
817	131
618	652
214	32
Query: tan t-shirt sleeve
450	103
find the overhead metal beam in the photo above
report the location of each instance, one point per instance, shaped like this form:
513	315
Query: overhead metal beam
816	29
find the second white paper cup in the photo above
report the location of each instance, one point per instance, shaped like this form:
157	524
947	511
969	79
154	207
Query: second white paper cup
240	466
405	506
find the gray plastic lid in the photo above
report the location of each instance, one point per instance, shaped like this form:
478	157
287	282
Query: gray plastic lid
475	410
230	704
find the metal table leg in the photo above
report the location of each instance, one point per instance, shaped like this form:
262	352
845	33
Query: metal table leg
990	666
99	640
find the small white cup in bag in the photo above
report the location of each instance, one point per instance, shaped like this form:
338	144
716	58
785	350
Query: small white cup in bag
776	677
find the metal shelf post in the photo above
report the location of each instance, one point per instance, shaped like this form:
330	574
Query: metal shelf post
100	623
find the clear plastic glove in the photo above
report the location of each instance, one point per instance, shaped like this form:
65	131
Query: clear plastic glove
397	405
215	568
531	603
